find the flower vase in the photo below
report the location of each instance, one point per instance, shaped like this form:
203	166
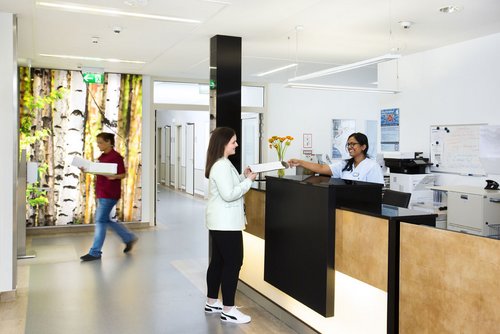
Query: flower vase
281	172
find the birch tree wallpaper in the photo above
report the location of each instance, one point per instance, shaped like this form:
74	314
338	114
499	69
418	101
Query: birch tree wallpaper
60	116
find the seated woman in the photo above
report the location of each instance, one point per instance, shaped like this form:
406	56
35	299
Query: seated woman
359	167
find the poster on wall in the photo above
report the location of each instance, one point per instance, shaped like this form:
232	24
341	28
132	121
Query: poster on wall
389	130
341	129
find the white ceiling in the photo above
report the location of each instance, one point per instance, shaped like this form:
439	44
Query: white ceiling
335	32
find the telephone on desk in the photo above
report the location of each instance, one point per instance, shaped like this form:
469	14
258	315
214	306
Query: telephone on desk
492	185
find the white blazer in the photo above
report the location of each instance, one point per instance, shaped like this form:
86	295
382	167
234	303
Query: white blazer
226	188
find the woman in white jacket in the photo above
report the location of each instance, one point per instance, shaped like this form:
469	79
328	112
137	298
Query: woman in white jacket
225	219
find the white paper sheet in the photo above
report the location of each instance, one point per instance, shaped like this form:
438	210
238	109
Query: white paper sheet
268	166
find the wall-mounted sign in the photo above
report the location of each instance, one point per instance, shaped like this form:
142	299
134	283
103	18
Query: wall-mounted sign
389	129
97	78
307	140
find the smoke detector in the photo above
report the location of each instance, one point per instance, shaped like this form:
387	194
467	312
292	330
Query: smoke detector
450	9
406	24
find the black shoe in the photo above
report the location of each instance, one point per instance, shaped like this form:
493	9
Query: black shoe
129	245
88	257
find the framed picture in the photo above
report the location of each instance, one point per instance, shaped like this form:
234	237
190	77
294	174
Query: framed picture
307	140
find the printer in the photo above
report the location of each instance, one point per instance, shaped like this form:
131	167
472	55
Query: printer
407	163
408	174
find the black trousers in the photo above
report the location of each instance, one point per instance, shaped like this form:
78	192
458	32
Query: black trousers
225	264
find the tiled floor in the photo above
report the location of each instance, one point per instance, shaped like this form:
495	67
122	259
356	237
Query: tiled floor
157	288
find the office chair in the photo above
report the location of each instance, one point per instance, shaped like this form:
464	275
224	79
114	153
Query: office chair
396	198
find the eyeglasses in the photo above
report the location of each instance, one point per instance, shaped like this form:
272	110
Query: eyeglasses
351	145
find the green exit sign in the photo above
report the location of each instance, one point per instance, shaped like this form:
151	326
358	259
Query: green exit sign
97	78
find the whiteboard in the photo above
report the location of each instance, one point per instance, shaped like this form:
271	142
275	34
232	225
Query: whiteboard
456	148
489	151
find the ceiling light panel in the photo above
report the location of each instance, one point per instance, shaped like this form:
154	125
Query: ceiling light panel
98	59
341	88
347	67
79	8
278	69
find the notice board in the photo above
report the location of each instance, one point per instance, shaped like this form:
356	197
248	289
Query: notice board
456	149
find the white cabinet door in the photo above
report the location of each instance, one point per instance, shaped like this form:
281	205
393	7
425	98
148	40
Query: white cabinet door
465	212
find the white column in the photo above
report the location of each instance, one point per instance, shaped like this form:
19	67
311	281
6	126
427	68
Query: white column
148	152
10	152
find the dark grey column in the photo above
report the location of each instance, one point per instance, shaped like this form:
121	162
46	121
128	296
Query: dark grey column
225	87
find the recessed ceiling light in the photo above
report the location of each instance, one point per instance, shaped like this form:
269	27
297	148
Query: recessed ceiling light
449	9
109	60
276	70
341	88
112	12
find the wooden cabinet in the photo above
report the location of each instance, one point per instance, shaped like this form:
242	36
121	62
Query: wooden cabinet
255	210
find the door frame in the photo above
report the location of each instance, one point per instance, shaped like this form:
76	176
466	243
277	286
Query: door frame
178	157
189	171
168	154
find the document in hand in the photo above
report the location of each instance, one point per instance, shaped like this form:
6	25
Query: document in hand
268	166
94	167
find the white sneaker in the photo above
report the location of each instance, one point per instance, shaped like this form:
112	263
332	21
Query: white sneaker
235	316
213	308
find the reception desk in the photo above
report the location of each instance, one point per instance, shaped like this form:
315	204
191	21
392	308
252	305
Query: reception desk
329	253
300	234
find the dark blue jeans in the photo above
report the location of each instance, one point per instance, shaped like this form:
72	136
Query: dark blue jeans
103	221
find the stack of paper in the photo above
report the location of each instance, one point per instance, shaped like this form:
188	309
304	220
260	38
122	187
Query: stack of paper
102	168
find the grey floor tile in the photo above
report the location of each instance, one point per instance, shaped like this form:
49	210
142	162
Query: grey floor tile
157	288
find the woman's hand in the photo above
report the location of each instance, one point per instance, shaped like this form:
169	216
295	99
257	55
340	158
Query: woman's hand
247	171
249	174
294	162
